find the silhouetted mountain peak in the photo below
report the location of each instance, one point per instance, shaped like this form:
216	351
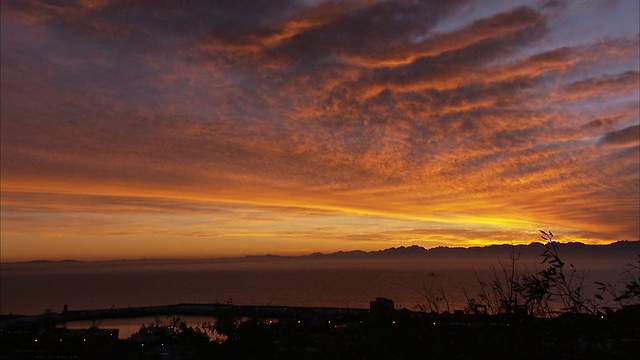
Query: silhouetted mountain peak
402	250
533	249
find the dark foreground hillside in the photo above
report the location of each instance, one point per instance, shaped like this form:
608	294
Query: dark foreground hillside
382	333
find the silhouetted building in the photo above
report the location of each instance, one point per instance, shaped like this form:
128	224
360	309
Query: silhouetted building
381	305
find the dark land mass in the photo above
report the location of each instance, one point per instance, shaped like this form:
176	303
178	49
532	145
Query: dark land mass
50	261
381	332
573	249
533	249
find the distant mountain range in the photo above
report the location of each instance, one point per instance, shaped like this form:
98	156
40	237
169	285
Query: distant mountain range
51	261
619	249
573	249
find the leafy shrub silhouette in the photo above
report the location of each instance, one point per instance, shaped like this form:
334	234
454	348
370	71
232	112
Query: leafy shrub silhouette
555	282
630	295
559	283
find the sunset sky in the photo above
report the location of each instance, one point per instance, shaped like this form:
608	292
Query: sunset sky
134	129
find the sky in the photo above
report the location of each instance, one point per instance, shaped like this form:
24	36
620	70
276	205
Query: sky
177	129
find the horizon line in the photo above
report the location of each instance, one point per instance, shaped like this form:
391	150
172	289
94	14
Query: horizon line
299	256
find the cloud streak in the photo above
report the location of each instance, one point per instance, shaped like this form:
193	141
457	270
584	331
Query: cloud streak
488	120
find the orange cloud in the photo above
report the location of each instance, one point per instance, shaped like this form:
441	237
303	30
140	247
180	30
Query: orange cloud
219	130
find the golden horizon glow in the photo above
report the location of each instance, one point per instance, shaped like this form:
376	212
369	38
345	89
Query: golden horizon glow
315	127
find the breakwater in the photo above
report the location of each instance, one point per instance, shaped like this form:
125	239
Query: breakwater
208	310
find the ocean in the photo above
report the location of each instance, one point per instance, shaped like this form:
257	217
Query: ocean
34	288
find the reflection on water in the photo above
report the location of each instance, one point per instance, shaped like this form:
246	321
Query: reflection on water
129	326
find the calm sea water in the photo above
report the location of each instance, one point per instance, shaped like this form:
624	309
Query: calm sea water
36	287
